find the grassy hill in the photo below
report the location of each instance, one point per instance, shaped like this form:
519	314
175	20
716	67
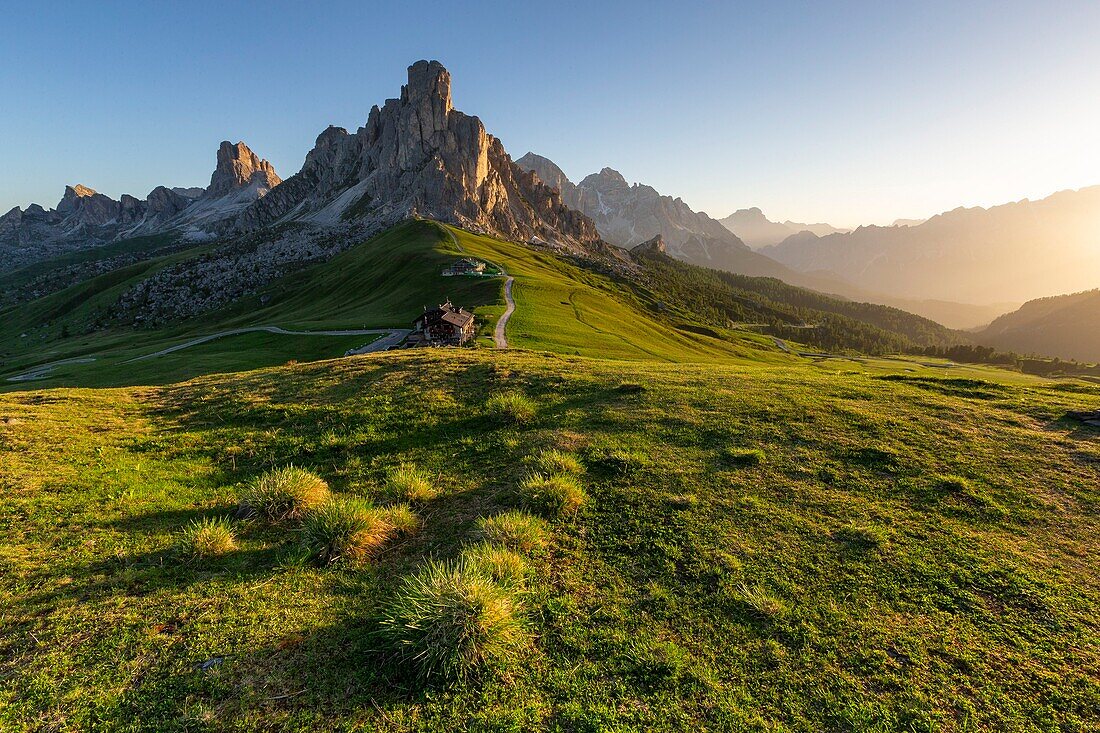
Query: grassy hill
1065	326
828	322
667	311
383	282
758	547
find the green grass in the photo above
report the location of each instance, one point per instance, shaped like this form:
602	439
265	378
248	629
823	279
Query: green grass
913	554
558	494
385	282
411	483
208	537
283	493
344	529
449	621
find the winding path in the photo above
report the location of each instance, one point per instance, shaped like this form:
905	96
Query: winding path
43	370
393	337
500	340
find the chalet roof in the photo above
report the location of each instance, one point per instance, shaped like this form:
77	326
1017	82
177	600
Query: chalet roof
457	318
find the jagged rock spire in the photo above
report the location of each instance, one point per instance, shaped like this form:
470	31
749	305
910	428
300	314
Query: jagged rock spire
238	167
418	156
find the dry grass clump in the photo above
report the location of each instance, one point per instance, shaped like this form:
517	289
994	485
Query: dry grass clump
411	483
452	621
557	461
511	407
502	565
351	530
556	493
759	601
514	530
283	493
209	537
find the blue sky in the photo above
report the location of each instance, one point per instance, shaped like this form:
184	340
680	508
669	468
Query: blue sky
848	112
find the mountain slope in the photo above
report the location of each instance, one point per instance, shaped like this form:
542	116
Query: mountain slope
627	215
418	156
1014	252
1066	326
723	298
757	231
655	308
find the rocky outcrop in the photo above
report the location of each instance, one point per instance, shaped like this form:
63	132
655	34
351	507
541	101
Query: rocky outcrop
651	246
238	167
418	156
550	174
85	218
628	215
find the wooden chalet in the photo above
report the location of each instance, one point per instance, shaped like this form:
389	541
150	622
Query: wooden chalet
443	326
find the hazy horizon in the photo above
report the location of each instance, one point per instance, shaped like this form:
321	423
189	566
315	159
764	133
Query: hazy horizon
812	115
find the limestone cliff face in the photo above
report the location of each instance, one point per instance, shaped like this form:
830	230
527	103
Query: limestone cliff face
418	156
238	167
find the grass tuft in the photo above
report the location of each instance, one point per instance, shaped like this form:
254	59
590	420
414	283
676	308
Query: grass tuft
502	565
759	601
514	530
744	456
402	518
284	493
556	493
452	621
556	461
511	407
351	530
411	483
209	537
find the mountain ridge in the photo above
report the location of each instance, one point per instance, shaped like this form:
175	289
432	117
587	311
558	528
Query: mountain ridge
85	218
419	156
1017	251
757	231
1065	326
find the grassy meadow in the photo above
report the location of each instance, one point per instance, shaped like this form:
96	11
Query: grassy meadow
736	546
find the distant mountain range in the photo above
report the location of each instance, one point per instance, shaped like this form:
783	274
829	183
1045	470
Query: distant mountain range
757	231
84	218
1010	253
627	215
1066	326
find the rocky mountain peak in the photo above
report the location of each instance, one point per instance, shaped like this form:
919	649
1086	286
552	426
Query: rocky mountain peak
418	156
70	199
549	173
429	89
238	167
79	191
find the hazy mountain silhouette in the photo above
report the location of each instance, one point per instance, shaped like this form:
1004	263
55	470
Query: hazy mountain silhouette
1015	252
1066	326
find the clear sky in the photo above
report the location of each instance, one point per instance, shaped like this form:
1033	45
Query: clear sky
847	112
